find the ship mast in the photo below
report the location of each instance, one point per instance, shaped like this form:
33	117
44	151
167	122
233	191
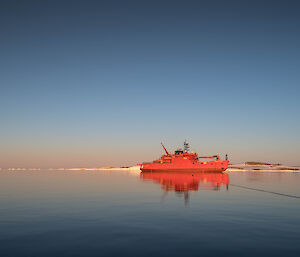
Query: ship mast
186	146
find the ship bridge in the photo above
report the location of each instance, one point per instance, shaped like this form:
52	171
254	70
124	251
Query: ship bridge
179	151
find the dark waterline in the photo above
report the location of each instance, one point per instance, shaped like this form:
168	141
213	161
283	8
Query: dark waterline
103	213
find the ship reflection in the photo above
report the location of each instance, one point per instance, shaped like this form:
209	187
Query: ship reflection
183	183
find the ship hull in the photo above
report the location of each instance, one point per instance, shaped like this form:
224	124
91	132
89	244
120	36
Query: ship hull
214	166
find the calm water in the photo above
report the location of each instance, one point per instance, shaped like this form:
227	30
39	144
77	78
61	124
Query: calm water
102	213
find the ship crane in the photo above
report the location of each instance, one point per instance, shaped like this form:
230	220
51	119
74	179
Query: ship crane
165	149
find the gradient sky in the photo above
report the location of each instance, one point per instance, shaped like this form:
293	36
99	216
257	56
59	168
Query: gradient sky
92	83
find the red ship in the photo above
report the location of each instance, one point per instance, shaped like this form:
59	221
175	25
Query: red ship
184	161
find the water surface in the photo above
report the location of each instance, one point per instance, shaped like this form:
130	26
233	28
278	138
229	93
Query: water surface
110	213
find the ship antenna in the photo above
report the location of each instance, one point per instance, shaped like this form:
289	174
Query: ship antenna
186	146
164	148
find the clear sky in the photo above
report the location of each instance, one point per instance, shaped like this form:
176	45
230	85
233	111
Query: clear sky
92	83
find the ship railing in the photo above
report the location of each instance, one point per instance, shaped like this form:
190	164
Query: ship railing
209	157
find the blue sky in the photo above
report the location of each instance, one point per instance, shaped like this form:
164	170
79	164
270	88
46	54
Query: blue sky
89	83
